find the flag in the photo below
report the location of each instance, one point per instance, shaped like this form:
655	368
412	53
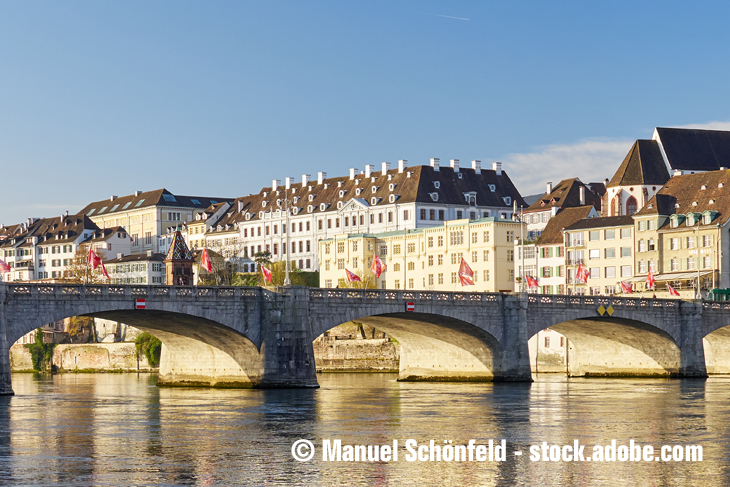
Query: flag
581	274
351	276
531	282
94	260
672	291
378	267
267	273
466	275
205	262
104	272
4	267
627	287
650	279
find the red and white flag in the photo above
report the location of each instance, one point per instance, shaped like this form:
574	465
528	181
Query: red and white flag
672	291
94	260
650	279
351	276
205	262
581	274
378	267
466	275
627	287
104	272
267	274
531	282
4	267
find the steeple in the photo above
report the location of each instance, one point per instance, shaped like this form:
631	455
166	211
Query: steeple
178	262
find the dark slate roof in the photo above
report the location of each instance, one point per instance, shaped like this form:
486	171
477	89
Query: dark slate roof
643	164
686	190
695	149
137	258
51	231
158	197
552	234
566	195
106	233
609	221
414	184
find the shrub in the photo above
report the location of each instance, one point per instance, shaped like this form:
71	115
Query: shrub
150	346
41	353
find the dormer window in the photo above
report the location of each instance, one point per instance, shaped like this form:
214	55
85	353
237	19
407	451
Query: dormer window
507	200
261	215
263	203
471	198
391	186
278	202
492	188
340	204
694	203
248	216
310	209
358	191
460	175
296	199
435	196
374	189
711	202
265	194
721	185
339	184
437	184
323	206
392	198
311	197
342	193
703	187
373	201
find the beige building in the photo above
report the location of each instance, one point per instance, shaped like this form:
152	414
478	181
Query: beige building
605	248
427	258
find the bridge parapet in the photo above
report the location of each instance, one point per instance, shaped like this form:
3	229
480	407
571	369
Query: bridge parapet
55	291
390	295
605	301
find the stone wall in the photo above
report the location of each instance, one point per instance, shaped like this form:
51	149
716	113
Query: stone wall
333	355
93	357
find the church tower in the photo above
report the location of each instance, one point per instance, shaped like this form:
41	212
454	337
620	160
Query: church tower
178	262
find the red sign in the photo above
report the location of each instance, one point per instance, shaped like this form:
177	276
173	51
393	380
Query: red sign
411	306
139	304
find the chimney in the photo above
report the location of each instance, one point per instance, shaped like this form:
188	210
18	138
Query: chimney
402	164
369	170
435	163
240	205
119	256
549	188
112	198
477	166
321	176
149	253
386	167
287	182
455	165
605	183
275	184
137	193
678	172
305	180
497	168
353	172
582	195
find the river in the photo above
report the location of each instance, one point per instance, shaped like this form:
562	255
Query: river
121	429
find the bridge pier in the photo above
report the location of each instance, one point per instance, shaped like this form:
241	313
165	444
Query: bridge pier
691	346
6	386
516	355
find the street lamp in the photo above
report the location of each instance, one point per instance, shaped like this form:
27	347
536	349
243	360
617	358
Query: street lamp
287	281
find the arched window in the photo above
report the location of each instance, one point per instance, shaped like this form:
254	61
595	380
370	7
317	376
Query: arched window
630	206
616	206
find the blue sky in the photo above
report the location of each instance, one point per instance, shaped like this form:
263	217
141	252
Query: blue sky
219	98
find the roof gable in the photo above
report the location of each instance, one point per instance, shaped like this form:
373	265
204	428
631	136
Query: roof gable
643	164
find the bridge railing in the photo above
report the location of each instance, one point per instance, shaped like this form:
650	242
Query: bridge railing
400	295
605	301
128	290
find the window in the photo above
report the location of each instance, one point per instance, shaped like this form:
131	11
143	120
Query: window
396	249
148	238
430	242
675	264
575	239
441	215
423	214
340	264
707	240
595	272
690	263
690	242
593	235
486	256
430	260
405	215
625	251
354	262
642	246
610	253
641	265
441	259
411	266
411	248
474	256
441	278
631	206
625	271
642	226
510	256
610	290
486	236
625	233
546	271
609	234
594	254
396	283
441	240
651	225
340	247
610	272
650	245
453	278
706	262
510	236
674	244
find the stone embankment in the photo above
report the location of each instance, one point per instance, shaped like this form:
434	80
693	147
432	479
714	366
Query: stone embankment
90	357
332	354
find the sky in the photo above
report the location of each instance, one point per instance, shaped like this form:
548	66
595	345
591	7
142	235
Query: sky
219	98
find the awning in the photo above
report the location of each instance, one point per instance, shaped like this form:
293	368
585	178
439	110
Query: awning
672	276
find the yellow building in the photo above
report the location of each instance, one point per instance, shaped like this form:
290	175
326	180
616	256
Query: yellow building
427	258
604	246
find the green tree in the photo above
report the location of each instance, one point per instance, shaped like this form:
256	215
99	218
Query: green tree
79	272
41	353
150	346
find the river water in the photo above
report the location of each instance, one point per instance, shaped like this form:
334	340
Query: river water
121	429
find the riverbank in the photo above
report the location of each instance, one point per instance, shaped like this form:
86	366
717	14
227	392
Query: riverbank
87	357
332	354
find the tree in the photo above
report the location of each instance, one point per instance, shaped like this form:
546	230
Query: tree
41	353
262	258
79	272
150	346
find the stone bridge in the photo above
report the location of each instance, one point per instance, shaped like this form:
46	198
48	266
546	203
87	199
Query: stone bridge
255	337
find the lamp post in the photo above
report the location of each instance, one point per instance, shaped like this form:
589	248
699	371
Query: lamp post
287	281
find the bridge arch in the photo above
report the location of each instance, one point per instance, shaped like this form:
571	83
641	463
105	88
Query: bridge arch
614	346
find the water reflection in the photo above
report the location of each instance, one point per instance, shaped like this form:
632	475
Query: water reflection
120	429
